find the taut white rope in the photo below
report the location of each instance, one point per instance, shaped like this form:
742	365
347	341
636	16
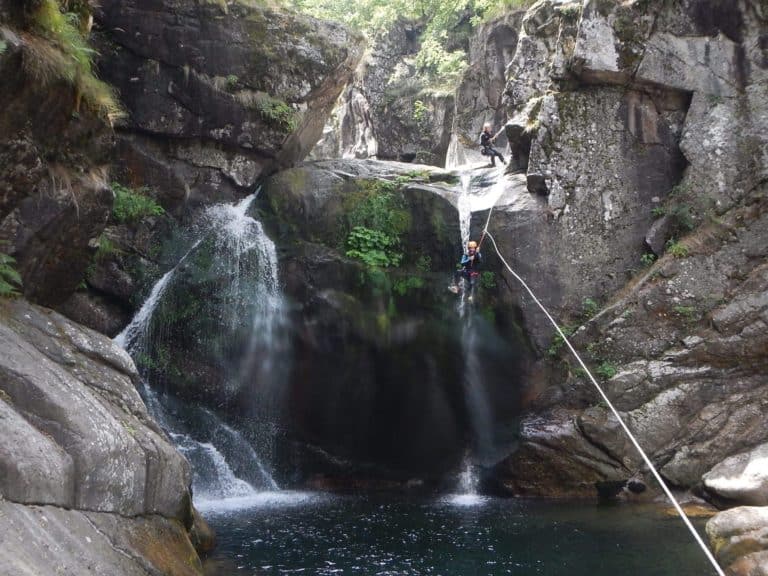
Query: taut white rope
637	446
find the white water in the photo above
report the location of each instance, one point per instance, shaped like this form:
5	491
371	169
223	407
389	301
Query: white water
247	256
474	389
136	331
236	438
467	494
464	206
241	237
267	499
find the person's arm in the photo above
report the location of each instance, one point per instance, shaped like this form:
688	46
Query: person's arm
464	259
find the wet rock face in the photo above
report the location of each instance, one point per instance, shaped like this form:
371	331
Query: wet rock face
217	94
380	371
76	437
368	382
387	113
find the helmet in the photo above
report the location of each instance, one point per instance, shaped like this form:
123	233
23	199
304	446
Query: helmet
471	244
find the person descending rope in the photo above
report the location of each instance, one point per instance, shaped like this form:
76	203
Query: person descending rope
486	142
469	270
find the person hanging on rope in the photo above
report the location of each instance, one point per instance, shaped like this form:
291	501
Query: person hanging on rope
469	270
486	142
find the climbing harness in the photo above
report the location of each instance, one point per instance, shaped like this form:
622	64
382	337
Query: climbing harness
605	398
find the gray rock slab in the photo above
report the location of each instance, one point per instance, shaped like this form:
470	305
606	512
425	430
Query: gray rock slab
69	392
742	478
38	540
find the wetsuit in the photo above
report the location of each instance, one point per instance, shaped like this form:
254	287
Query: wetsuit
470	269
486	141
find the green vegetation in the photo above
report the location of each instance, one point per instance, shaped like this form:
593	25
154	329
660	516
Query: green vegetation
487	280
71	59
606	370
132	205
557	340
378	205
689	312
3	47
106	249
10	280
676	249
658	211
373	247
402	286
647	259
376	219
424	263
438	60
589	308
419	110
276	113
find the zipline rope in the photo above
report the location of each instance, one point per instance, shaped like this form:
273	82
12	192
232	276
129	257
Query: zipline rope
629	434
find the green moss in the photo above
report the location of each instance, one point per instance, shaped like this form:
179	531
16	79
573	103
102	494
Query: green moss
689	312
277	113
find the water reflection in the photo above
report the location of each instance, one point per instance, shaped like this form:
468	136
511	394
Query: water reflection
489	536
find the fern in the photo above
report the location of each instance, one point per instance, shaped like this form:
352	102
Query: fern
10	280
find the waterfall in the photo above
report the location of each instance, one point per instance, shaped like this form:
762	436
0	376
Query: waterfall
475	394
248	314
135	334
464	206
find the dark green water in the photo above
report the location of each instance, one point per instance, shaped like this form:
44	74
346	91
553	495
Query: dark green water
321	535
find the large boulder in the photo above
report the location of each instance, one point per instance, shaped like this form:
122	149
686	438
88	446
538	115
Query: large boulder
740	540
742	478
80	458
69	398
82	543
219	93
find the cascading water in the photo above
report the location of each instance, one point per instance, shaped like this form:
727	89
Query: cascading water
249	307
474	390
134	335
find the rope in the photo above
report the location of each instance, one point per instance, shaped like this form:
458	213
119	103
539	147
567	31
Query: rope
635	443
